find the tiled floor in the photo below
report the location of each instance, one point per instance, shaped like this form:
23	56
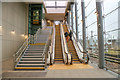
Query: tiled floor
59	71
64	67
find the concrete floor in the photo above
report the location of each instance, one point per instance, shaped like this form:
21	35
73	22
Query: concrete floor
92	72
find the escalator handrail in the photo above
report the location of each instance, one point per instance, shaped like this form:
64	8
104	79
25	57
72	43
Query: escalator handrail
76	40
64	45
64	40
52	50
78	46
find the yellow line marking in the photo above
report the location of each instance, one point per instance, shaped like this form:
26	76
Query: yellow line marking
58	59
38	44
29	68
73	66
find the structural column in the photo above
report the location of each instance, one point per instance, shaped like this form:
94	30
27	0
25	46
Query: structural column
71	6
76	20
83	25
100	34
69	18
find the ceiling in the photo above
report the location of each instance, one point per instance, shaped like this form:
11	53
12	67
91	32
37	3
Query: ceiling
55	16
55	9
55	6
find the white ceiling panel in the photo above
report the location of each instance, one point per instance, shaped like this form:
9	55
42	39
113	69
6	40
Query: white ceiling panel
55	6
55	10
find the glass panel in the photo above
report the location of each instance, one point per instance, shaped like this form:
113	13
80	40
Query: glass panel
74	23
35	15
91	24
111	19
49	3
79	20
61	3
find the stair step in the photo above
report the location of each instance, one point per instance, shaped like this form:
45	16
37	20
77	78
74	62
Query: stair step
29	68
32	62
33	51
58	59
30	65
33	54
32	59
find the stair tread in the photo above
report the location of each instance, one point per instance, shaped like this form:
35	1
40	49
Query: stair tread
32	58
31	61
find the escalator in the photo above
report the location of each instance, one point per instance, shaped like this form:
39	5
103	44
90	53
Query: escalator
71	48
58	46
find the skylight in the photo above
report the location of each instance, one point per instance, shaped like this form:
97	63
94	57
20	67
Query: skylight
55	6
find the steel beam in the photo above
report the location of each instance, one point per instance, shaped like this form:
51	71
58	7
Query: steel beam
83	25
100	34
76	20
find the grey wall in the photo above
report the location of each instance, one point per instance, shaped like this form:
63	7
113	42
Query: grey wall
14	17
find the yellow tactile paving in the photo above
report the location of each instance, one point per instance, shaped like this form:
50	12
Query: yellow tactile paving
29	68
38	44
74	66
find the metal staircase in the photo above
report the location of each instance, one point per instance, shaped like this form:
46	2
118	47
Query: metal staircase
35	55
32	59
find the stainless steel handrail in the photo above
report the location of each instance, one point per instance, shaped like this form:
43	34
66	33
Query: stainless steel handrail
21	50
19	53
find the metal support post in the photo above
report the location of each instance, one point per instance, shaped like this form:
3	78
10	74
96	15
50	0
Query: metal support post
76	20
68	18
100	34
71	15
83	25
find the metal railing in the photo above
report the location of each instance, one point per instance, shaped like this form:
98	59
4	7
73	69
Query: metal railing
24	46
46	49
65	50
21	50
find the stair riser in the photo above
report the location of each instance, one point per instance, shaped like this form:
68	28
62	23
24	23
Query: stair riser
35	50
31	59
33	54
